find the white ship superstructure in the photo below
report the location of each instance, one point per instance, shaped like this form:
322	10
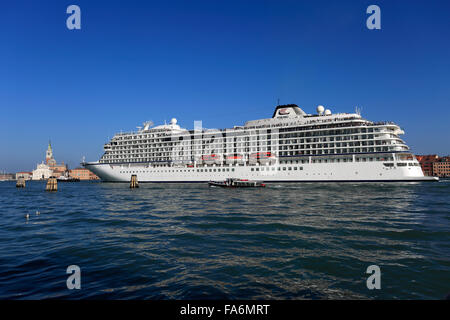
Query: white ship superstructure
291	146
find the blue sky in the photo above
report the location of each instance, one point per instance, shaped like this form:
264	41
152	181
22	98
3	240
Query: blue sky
222	62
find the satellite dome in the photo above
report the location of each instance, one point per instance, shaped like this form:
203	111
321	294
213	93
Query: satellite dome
327	112
173	121
320	109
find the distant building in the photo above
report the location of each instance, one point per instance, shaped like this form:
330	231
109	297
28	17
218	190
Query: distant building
49	168
58	169
82	174
42	172
441	168
7	176
426	162
24	175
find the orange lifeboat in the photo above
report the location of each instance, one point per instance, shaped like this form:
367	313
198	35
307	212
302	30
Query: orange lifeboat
234	158
211	158
263	157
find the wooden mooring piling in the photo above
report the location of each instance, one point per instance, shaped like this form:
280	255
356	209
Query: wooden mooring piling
52	184
20	183
134	182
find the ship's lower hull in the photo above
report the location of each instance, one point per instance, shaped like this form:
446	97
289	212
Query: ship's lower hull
308	172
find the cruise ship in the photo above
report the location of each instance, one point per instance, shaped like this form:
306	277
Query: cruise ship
291	146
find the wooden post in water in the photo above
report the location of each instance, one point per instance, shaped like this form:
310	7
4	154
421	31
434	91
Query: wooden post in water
134	182
20	182
52	184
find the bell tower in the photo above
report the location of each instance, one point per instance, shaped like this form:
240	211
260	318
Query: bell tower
49	153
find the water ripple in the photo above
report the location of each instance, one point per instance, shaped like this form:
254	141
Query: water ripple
182	241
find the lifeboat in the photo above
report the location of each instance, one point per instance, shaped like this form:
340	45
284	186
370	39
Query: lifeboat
263	157
234	158
211	159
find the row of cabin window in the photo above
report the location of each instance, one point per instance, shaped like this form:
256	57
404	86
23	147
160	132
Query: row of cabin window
186	170
278	168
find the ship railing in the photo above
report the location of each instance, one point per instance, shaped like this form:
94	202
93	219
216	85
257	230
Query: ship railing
381	123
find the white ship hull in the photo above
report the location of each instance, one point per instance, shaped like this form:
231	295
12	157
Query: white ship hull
307	172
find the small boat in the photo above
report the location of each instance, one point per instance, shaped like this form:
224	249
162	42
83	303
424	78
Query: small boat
67	178
237	183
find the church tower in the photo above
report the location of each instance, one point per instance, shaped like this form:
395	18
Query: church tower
49	154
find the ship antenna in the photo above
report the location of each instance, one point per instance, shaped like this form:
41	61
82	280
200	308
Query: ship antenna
278	101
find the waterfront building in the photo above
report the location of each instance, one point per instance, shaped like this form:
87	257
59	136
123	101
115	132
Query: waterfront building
426	162
58	169
441	168
82	174
50	167
42	172
24	175
6	176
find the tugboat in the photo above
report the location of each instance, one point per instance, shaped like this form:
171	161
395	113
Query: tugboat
67	178
237	183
